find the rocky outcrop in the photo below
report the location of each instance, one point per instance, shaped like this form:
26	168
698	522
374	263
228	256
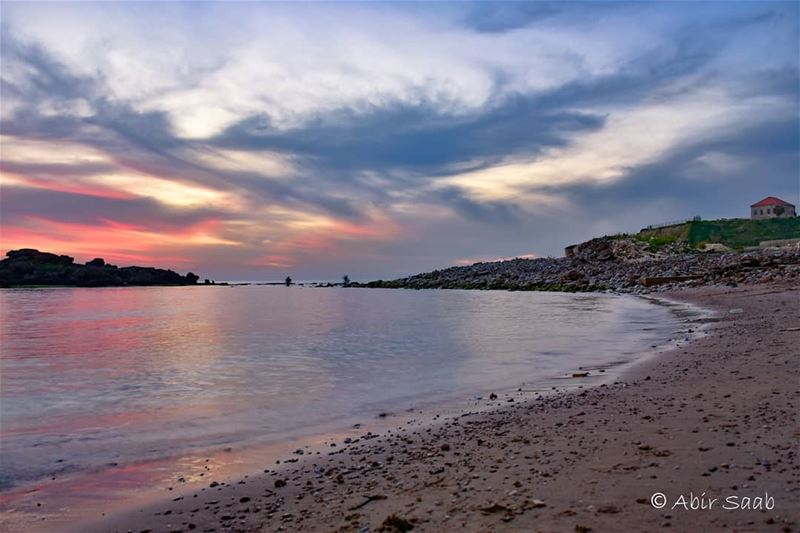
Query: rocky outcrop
621	264
29	267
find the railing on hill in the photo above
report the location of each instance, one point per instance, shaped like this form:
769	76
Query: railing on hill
673	223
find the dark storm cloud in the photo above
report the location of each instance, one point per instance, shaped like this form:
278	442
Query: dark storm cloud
43	170
37	78
86	209
45	76
416	138
141	141
331	149
420	140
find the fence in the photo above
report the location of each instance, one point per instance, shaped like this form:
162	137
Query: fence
673	223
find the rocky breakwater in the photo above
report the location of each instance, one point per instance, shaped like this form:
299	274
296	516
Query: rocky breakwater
29	267
621	264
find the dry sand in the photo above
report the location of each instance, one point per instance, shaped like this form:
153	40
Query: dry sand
717	417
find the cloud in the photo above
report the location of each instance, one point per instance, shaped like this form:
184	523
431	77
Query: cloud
261	137
414	138
20	202
757	160
491	17
492	212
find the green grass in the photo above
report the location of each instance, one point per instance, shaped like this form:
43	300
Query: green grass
740	232
659	237
656	241
736	233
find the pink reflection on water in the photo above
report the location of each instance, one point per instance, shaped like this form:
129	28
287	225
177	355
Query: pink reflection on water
152	378
78	502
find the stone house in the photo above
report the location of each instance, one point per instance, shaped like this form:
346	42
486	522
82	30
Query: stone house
771	207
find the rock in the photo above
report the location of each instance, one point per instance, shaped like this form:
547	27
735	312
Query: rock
580	374
493	396
492	509
396	523
620	263
279	483
32	267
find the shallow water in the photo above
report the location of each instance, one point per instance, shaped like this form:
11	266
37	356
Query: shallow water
95	378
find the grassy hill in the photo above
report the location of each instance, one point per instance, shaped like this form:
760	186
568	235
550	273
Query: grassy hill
736	233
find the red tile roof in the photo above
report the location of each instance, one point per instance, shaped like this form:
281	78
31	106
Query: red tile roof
771	200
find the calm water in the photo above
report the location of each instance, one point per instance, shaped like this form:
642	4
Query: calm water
90	377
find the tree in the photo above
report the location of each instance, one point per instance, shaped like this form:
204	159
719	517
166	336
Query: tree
288	281
346	280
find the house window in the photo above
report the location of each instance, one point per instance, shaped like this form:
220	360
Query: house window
769	210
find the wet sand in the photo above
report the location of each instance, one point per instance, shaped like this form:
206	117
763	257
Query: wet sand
716	418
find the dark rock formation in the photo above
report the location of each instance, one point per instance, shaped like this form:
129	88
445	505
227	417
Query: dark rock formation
621	264
27	267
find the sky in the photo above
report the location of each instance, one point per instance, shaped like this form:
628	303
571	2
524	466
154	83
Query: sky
250	141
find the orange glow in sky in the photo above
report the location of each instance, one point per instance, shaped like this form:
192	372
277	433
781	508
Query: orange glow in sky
384	139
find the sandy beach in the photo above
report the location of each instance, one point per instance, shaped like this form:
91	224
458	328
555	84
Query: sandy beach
712	426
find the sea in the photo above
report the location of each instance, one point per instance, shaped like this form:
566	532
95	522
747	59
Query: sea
96	382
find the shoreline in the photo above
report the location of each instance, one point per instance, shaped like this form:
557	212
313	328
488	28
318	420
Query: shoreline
404	463
65	509
676	424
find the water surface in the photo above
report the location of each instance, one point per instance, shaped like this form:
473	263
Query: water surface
100	378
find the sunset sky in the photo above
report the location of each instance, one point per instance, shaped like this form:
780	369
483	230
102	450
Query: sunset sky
256	140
